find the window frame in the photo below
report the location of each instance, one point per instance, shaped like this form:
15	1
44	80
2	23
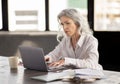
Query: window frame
5	14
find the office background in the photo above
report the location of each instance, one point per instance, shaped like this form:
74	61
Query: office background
109	40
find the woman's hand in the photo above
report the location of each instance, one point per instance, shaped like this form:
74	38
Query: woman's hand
57	64
47	59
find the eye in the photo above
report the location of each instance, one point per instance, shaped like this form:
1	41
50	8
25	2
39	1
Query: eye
67	22
61	24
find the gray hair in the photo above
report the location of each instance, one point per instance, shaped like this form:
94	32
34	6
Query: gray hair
79	19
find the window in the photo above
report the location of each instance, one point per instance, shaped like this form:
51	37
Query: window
31	15
26	15
107	15
57	5
0	15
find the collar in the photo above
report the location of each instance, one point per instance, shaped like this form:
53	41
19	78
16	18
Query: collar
81	39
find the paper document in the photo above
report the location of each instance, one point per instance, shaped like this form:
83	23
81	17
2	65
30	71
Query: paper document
54	76
89	73
70	74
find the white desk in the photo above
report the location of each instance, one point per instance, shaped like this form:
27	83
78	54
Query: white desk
22	76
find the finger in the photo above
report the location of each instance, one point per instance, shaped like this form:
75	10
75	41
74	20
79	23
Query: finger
54	64
47	58
51	64
61	62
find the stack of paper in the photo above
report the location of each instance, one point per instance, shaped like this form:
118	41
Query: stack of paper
89	74
82	74
54	76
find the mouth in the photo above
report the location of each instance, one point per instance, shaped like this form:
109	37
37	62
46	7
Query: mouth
66	32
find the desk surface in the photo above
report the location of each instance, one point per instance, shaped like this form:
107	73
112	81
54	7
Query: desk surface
22	75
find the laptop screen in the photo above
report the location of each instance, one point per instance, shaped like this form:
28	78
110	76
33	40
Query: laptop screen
33	58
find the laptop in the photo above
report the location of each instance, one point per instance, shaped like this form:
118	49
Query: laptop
33	58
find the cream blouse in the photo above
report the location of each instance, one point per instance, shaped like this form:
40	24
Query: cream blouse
85	54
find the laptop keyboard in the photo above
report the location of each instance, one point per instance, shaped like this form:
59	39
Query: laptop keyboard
56	68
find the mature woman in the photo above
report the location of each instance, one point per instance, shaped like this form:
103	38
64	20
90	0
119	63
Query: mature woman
78	47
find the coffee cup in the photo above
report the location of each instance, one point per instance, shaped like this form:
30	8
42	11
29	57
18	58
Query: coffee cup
13	62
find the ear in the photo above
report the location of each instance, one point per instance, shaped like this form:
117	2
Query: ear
77	24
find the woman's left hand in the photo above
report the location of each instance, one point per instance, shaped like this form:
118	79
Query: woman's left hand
57	64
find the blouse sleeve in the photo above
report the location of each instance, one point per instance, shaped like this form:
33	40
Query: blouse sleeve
91	57
55	54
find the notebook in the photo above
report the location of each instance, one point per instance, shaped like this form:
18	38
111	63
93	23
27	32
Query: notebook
48	77
66	74
33	58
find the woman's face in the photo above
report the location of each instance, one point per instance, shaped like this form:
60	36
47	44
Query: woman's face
69	27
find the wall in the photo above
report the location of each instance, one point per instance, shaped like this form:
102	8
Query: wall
9	42
109	44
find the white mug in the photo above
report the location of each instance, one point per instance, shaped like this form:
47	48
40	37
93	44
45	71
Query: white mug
13	62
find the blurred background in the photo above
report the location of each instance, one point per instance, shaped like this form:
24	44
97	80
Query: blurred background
34	23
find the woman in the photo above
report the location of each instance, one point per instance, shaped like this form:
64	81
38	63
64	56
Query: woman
78	47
